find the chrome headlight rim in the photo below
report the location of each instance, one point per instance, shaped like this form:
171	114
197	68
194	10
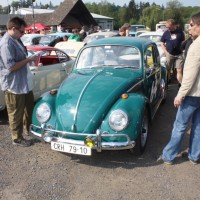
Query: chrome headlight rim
40	110
122	126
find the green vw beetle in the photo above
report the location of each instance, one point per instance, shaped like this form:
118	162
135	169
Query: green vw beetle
107	102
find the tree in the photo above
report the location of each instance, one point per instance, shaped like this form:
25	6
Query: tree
151	16
15	4
50	5
173	11
132	9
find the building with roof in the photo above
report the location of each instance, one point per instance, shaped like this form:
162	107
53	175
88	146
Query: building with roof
70	14
103	21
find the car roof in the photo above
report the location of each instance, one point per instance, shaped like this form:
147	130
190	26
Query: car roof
61	34
32	35
106	33
70	47
152	33
128	41
41	48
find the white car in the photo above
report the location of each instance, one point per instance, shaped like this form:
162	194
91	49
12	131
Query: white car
52	67
31	39
70	47
155	36
100	35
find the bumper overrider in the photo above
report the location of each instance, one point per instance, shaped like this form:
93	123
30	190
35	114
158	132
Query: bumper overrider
50	135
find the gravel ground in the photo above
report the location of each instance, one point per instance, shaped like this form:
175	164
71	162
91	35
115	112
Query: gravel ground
38	173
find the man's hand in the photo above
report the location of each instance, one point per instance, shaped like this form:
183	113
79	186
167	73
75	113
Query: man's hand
178	101
33	58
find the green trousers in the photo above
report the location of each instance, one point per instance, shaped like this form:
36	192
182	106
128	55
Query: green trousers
20	109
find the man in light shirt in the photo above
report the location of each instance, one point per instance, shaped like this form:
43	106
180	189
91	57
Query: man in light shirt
188	102
14	82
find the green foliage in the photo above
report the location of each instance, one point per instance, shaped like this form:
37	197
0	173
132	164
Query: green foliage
134	12
143	13
15	4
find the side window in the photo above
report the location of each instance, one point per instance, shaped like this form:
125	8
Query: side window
49	58
36	40
148	57
156	55
62	56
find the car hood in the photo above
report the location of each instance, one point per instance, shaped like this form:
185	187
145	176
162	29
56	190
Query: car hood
86	96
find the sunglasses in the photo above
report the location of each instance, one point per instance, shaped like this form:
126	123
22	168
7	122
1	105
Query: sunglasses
22	32
191	24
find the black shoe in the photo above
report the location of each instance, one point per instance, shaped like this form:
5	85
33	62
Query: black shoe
22	143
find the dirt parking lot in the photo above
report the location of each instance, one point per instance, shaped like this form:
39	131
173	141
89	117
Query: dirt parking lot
38	173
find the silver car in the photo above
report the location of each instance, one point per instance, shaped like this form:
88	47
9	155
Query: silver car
51	68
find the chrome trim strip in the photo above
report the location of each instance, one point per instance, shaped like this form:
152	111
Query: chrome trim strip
81	95
138	83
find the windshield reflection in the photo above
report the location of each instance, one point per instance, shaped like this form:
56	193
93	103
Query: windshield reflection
109	56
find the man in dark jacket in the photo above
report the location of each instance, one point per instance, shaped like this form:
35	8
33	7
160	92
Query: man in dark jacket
171	43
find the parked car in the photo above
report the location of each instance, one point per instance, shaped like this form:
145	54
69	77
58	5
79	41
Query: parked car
31	39
100	35
47	39
140	31
135	28
155	36
107	101
70	47
52	67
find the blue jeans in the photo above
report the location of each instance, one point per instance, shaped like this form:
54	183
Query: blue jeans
190	109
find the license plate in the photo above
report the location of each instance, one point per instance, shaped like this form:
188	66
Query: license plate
71	148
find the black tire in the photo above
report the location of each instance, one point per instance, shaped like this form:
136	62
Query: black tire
141	141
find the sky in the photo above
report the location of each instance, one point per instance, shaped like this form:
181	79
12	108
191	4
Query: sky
116	2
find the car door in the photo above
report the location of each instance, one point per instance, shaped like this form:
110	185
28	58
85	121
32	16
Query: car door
50	72
152	72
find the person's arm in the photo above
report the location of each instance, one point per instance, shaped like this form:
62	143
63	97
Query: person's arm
190	73
8	54
164	48
19	65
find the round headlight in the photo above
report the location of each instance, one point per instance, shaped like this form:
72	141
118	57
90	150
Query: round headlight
43	113
118	120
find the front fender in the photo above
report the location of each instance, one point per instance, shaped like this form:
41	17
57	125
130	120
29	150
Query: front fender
134	106
50	100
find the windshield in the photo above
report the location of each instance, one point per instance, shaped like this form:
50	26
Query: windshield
134	28
45	40
154	38
109	56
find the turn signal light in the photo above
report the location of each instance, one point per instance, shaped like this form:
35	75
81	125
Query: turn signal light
124	96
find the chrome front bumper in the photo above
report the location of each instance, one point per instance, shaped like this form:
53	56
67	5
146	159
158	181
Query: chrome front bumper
99	145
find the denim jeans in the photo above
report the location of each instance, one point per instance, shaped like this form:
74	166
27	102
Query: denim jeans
190	109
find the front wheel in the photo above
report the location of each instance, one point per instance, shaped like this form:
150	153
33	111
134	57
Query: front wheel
141	140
